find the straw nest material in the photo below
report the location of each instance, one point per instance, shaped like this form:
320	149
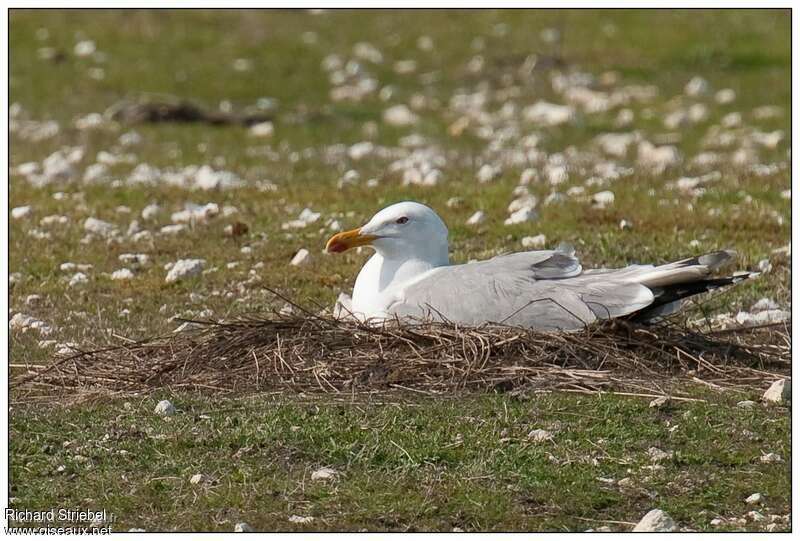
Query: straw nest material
319	354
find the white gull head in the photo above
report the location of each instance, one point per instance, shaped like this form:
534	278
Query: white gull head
409	240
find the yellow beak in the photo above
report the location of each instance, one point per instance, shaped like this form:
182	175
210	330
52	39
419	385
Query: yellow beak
348	239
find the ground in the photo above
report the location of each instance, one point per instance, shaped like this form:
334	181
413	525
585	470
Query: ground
404	462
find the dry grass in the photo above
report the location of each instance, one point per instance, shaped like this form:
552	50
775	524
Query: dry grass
313	353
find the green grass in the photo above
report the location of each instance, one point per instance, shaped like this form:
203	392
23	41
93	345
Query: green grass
425	481
408	465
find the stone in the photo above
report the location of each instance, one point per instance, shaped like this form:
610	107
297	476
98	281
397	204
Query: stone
242	527
771	458
522	216
746	404
302	257
538	435
323	474
534	243
400	116
165	409
197	479
603	199
99	227
262	129
297	519
478	218
20	212
655	521
754	498
185	268
122	274
779	392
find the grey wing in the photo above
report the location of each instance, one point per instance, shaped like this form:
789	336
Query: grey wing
527	289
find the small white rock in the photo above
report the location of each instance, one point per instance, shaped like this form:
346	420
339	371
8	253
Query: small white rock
399	115
122	274
262	129
323	474
302	257
771	458
297	519
150	211
535	242
754	498
478	218
77	279
655	521
242	527
697	86
165	408
522	216
779	392
185	268
20	212
538	435
603	199
197	479
99	227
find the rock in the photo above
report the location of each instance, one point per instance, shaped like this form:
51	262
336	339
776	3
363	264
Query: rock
242	527
478	218
18	213
771	458
122	274
150	211
86	47
23	322
77	279
725	96
746	404
538	435
99	227
603	199
655	521
487	173
754	498
521	202
400	116
297	519
522	216
302	257
717	522
323	474
534	243
165	409
779	392
195	213
548	114
262	129
197	479
657	158
755	516
697	86
185	268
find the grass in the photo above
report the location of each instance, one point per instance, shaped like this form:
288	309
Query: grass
410	465
429	484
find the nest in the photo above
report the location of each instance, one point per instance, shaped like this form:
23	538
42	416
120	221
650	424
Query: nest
310	353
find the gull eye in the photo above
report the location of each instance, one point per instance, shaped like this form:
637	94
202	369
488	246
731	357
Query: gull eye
401	220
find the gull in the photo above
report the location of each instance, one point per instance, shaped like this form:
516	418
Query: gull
410	275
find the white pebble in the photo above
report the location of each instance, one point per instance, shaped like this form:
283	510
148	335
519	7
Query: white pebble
399	115
122	274
302	257
99	227
521	216
323	474
603	199
262	129
165	408
20	212
77	279
534	243
655	521
478	218
150	211
185	268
